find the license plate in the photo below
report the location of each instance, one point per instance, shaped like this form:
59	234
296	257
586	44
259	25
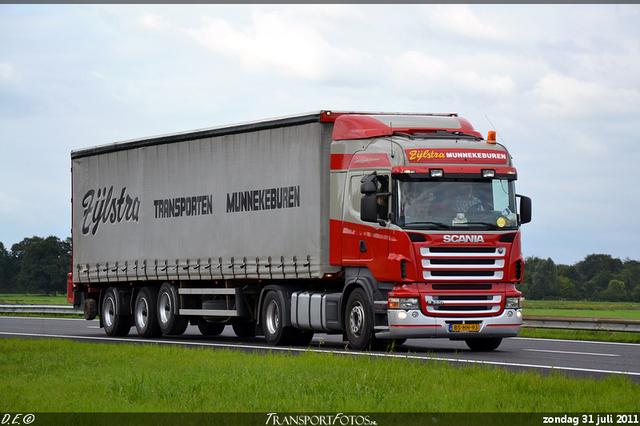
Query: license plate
464	327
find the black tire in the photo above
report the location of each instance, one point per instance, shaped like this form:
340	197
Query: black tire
90	309
358	322
482	345
171	323
145	315
244	329
211	328
303	338
273	327
115	325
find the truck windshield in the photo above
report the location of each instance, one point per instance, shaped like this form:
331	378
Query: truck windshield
443	204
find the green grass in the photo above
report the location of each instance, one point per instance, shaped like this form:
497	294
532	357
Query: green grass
33	299
592	335
64	376
623	310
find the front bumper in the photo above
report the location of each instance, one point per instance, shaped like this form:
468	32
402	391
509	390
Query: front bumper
418	325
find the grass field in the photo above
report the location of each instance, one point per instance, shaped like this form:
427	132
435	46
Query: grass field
64	376
582	309
33	299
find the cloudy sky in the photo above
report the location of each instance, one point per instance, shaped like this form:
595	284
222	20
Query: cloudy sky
560	84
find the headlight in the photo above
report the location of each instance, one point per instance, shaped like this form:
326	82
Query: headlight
405	303
512	303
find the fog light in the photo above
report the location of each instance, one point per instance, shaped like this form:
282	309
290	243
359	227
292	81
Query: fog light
402	315
519	314
509	314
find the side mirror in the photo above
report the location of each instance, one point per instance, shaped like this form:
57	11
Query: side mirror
369	208
525	209
368	185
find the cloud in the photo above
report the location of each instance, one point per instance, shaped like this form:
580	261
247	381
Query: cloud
6	72
423	74
153	22
8	204
459	20
274	42
563	96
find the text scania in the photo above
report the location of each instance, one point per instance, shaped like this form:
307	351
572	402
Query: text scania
463	239
100	207
264	199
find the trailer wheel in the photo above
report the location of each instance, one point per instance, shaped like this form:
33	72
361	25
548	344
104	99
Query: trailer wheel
483	344
244	329
272	321
145	316
90	309
359	321
211	328
114	324
171	323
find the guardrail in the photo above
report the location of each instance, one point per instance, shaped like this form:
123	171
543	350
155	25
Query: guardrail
582	323
41	309
532	321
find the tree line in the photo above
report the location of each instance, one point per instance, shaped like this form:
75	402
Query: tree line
36	265
599	277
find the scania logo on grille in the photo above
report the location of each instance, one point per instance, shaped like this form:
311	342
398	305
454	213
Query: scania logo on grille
435	302
463	239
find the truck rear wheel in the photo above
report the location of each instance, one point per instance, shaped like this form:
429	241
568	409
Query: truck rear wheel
115	324
480	345
145	314
273	327
171	323
211	328
90	309
359	321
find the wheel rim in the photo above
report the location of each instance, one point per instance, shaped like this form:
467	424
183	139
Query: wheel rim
272	319
109	311
165	308
356	319
142	313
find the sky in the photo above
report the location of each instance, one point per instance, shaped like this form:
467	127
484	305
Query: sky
559	83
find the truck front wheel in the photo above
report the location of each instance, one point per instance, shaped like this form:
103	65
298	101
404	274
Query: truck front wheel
359	321
273	327
144	315
115	324
171	323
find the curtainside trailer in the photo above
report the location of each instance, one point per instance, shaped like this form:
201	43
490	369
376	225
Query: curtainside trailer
377	226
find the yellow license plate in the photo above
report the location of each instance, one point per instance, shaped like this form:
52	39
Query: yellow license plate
464	327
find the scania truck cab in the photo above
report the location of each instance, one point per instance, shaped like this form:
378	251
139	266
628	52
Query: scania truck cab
432	216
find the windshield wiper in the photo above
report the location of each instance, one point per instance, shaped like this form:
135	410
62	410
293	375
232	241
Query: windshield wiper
437	224
489	224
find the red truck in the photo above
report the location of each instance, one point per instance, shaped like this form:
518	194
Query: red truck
378	226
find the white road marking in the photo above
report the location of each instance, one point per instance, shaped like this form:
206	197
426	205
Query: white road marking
567	352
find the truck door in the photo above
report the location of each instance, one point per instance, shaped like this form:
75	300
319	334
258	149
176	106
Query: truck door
366	243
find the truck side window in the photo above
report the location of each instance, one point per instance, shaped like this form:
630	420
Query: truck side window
382	186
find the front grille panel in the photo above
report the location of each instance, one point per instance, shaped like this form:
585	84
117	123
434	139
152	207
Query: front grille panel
469	305
463	263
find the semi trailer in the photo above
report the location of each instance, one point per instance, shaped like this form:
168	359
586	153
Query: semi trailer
380	227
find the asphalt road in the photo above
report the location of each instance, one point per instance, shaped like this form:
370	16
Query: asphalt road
570	357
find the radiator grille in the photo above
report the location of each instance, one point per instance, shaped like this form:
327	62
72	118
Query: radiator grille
462	263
